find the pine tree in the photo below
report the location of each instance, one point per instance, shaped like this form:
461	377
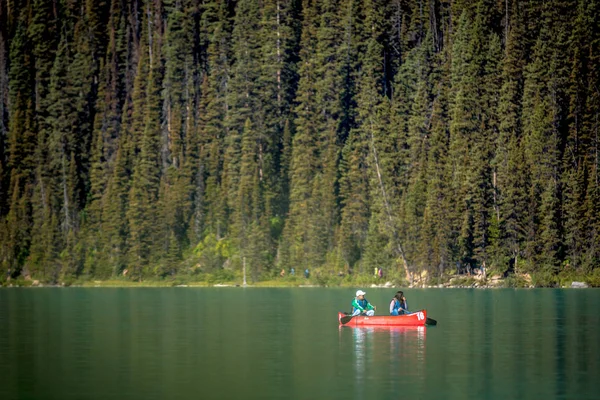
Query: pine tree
354	193
274	93
246	61
246	210
507	162
549	229
4	108
113	238
373	117
145	184
436	238
577	146
483	193
328	119
592	126
210	211
465	114
417	142
21	144
108	133
591	256
303	164
574	214
540	142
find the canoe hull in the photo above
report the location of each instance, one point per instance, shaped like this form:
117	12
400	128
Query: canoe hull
417	318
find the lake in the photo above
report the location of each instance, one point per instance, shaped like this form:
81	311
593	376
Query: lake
276	343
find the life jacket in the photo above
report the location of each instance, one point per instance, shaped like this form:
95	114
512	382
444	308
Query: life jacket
364	304
398	306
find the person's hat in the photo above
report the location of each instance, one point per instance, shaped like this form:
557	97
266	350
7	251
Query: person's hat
360	293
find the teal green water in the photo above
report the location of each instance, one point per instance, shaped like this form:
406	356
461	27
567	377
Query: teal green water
251	343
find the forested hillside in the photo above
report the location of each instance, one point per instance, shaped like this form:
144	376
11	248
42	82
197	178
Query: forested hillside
166	137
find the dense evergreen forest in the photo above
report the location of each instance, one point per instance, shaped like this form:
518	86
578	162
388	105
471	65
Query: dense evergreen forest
157	138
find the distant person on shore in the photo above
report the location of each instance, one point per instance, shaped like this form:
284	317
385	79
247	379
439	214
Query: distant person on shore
306	273
282	273
292	271
361	306
398	305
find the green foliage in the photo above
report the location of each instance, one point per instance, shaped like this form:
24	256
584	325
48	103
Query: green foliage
212	253
179	139
517	281
593	279
221	276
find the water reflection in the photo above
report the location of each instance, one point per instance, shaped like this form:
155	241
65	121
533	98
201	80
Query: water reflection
400	350
225	343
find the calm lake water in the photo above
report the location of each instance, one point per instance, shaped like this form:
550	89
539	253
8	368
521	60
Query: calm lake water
257	343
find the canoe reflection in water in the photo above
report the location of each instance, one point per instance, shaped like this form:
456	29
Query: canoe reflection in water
393	354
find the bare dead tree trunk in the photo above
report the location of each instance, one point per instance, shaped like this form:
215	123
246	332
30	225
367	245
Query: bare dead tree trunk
149	16
596	167
506	27
167	135
188	109
495	200
434	27
386	203
278	56
3	70
198	214
66	205
260	161
420	21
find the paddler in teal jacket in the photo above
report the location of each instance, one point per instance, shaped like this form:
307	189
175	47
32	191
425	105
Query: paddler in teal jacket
360	305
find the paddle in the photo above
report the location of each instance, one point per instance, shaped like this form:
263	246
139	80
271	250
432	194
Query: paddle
347	318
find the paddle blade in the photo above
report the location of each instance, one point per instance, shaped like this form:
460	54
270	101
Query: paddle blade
430	321
346	319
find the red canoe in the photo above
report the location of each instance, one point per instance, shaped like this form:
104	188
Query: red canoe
413	319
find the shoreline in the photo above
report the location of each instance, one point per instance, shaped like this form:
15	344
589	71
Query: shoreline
471	283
